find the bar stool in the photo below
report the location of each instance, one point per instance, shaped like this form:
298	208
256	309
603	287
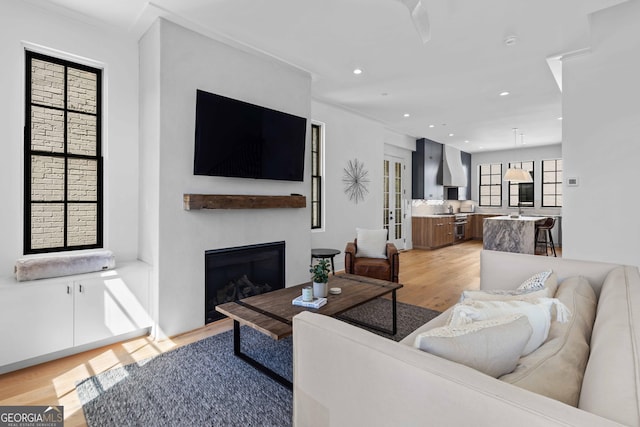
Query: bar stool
544	237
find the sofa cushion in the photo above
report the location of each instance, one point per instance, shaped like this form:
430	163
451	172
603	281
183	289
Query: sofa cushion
611	385
371	243
538	313
556	368
489	346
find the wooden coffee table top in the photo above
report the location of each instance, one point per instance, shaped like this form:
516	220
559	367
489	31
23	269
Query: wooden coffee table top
271	313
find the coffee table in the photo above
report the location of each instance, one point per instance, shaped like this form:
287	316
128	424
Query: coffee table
272	313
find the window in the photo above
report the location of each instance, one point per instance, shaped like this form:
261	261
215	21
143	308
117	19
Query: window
552	183
490	184
521	194
63	163
316	176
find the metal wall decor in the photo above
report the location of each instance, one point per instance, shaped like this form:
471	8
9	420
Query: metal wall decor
356	180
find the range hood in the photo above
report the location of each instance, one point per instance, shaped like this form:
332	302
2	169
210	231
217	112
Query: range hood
452	172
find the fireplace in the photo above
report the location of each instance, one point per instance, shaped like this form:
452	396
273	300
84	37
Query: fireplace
235	273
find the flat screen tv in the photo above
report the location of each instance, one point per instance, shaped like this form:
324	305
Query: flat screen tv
238	139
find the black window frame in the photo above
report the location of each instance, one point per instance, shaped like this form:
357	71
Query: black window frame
29	152
316	175
557	184
490	185
527	186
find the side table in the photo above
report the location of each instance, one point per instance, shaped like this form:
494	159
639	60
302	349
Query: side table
324	253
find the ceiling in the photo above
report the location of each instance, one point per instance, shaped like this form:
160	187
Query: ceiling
450	85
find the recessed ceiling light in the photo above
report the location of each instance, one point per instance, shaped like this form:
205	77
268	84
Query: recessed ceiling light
505	93
559	118
466	141
510	40
432	126
450	134
357	71
407	115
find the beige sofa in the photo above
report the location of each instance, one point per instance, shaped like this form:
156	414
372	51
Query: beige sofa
346	376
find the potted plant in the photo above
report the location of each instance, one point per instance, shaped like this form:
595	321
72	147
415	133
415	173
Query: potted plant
320	277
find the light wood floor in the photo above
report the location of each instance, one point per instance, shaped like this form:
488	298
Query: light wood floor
432	279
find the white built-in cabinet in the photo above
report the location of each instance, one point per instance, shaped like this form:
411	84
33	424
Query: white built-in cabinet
46	316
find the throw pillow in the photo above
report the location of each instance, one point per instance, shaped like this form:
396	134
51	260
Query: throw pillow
556	369
538	313
535	282
371	243
548	290
489	346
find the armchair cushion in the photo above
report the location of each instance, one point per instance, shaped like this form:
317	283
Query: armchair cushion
371	243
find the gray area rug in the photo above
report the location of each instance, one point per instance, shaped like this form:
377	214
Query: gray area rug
204	384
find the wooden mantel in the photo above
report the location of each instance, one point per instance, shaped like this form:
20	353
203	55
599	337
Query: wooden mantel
240	201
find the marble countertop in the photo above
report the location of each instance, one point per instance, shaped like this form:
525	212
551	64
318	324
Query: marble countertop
434	216
520	218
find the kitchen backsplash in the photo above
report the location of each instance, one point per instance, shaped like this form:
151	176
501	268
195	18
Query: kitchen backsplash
431	207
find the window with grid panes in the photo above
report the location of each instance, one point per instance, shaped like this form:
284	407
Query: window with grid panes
521	193
316	176
490	188
63	163
552	183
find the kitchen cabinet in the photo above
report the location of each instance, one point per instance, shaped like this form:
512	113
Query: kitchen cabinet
469	227
427	170
464	193
432	232
67	314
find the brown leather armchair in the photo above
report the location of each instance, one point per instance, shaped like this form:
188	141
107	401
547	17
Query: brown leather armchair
378	268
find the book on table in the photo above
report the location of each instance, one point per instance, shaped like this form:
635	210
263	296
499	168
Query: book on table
316	303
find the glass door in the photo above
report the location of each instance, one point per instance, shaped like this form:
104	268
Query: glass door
393	201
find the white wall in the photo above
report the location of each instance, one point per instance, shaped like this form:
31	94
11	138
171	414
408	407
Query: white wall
187	62
537	154
348	137
23	22
601	140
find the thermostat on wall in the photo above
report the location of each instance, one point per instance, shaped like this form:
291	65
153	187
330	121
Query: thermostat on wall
572	182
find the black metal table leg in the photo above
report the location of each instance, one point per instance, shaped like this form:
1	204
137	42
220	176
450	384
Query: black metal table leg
394	318
251	361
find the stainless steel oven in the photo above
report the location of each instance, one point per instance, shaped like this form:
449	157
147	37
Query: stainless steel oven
459	227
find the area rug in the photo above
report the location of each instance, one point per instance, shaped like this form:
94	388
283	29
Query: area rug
203	383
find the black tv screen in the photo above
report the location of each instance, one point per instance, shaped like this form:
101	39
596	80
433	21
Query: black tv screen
238	139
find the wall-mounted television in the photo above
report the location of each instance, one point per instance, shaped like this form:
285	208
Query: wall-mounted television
238	139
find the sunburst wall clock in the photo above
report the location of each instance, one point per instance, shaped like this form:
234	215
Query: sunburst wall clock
356	180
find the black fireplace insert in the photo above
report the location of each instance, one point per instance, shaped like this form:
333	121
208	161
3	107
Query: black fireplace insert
240	272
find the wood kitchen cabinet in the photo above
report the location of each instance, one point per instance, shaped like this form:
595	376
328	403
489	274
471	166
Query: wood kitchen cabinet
469	227
432	232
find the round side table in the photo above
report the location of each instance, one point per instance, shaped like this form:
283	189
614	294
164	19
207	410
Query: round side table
324	253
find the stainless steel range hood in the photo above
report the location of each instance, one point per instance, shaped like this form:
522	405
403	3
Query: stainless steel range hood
452	172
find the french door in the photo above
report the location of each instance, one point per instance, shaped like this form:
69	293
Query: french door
393	201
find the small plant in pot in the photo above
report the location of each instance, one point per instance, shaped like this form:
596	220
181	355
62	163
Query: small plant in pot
320	277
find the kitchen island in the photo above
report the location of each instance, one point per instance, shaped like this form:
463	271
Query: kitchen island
506	234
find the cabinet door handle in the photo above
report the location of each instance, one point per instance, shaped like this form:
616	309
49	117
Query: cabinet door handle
68	289
80	288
